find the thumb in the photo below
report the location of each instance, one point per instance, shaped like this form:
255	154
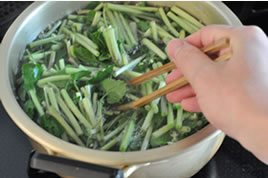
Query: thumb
191	61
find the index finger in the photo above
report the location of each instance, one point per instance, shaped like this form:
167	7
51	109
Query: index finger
209	34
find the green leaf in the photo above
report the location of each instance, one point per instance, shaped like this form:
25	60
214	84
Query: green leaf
115	89
101	75
98	38
105	57
141	67
143	26
61	53
90	16
93	4
86	57
162	140
158	121
22	93
29	107
31	73
78	75
51	125
92	29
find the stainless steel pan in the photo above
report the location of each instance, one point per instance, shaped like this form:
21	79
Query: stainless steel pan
182	159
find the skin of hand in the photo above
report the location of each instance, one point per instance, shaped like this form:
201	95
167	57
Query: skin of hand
233	95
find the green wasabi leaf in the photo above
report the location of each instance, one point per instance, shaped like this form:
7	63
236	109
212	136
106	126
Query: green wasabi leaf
29	108
78	75
98	38
90	16
158	121
93	4
51	125
60	54
22	93
31	73
92	29
101	75
86	57
115	89
162	140
143	26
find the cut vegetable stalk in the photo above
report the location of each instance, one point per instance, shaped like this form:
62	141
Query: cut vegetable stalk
115	131
164	108
35	57
161	131
170	117
122	8
62	25
109	36
36	102
45	89
163	33
134	31
57	47
153	104
154	31
89	110
181	22
179	118
74	109
195	28
182	34
51	60
168	24
91	47
111	143
131	37
44	81
94	102
46	40
63	123
52	98
186	16
69	115
51	30
129	66
154	48
121	29
148	33
147	120
145	143
148	9
127	135
62	64
185	129
96	18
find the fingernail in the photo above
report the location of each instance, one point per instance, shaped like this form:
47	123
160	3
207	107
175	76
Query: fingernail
173	46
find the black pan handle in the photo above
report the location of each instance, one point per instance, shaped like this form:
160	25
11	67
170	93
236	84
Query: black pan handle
43	165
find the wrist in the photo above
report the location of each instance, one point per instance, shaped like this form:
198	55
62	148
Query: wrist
254	137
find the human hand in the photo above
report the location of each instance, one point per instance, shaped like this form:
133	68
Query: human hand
233	95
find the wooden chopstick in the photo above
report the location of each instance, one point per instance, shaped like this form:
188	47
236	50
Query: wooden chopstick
166	89
209	49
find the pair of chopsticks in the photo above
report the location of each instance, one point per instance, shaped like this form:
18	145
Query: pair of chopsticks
210	49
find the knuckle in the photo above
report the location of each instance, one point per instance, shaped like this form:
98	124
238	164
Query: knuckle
253	31
184	52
